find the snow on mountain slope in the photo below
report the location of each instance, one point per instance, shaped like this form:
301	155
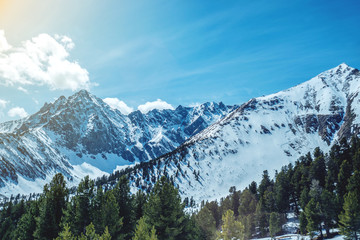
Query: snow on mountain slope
82	135
264	133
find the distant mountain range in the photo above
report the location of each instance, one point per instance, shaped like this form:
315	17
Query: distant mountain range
82	135
207	148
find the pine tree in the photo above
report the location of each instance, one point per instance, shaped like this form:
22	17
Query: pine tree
353	184
110	215
97	207
249	225
261	219
126	206
206	222
51	208
331	174
90	233
143	231
165	211
253	188
345	151
282	191
350	217
106	235
66	234
296	184
5	222
191	230
269	201
265	184
225	204
274	224
235	200
83	202
343	178
328	210
215	212
304	198
27	223
303	223
139	203
318	167
247	203
356	160
231	229
313	218
153	234
68	216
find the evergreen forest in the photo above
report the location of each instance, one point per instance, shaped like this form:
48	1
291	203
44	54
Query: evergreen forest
322	190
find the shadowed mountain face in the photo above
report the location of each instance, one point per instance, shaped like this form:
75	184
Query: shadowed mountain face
84	129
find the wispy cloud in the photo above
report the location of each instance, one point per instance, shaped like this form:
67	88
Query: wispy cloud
23	89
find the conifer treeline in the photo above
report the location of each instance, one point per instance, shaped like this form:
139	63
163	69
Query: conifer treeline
322	189
96	214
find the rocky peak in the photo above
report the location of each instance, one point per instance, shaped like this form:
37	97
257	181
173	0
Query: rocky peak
339	77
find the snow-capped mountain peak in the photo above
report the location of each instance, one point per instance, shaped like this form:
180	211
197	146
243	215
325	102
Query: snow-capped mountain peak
264	133
82	130
207	148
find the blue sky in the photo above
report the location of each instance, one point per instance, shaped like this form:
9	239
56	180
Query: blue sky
182	52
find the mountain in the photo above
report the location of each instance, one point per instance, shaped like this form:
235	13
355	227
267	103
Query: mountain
205	149
82	135
263	134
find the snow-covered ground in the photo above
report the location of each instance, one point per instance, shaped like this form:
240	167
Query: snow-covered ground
292	226
298	237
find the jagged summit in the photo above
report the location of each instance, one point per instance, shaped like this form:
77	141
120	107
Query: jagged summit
341	72
83	92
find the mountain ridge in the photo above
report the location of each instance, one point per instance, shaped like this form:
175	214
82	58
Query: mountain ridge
82	135
264	133
221	146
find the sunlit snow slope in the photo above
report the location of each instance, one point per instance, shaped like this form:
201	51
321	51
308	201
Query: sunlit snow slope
264	133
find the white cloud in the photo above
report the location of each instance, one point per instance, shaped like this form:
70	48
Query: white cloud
118	104
23	89
17	112
66	41
158	104
43	60
3	42
3	103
